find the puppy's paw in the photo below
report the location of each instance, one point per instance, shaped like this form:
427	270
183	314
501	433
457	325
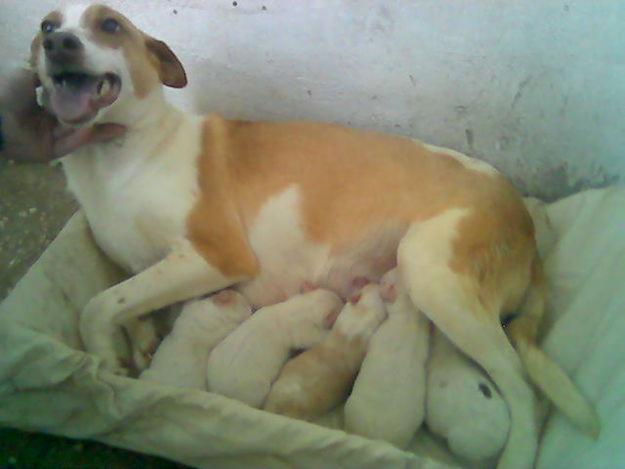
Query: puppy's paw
369	297
314	315
388	286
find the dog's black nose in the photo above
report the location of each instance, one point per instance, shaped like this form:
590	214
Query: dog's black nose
62	47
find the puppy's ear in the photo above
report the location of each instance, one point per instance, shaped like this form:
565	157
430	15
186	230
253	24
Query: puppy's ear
170	70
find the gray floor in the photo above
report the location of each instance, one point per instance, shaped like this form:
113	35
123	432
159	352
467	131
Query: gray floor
34	206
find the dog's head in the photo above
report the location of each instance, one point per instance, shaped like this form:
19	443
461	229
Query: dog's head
92	62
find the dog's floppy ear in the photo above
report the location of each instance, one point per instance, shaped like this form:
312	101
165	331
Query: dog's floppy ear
170	70
35	45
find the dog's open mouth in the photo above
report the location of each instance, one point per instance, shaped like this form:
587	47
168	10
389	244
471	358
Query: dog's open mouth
77	97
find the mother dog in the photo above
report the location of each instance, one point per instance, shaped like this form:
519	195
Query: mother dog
193	204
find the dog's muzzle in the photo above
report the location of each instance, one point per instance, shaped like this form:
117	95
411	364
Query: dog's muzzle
63	48
76	95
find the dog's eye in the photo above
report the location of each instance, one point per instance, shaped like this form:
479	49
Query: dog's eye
48	27
110	25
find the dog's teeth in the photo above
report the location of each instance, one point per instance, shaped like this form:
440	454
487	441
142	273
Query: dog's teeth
104	87
39	95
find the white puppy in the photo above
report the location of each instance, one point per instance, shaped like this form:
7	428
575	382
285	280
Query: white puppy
181	358
317	380
245	364
463	405
388	398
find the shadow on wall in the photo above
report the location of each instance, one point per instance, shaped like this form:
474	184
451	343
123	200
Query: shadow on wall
535	88
252	95
550	183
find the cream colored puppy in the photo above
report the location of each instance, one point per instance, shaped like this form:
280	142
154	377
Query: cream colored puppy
181	358
388	398
463	405
245	364
317	380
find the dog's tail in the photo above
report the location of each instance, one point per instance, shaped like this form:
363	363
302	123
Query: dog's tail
542	370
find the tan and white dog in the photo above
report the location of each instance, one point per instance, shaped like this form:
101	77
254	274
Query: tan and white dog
192	205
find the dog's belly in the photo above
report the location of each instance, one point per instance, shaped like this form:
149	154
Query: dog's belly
286	272
288	259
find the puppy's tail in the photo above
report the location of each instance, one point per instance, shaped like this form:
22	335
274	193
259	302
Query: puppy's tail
542	370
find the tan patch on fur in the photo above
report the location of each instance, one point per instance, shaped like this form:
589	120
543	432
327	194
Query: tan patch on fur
170	70
528	326
214	226
496	252
143	62
55	17
352	182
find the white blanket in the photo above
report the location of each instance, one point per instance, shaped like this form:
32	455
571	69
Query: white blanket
586	273
47	384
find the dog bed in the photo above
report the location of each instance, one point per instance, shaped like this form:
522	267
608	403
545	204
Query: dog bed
48	384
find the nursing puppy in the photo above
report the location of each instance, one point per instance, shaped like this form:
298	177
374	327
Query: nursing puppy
387	401
245	364
182	357
191	205
318	379
462	406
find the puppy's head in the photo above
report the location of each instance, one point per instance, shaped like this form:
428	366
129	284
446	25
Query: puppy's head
362	314
92	61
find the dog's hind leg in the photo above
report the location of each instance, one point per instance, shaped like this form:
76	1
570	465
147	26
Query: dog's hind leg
452	301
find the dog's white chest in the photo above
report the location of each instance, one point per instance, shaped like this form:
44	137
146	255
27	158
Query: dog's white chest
136	207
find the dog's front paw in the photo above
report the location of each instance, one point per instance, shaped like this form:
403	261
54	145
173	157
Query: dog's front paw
118	366
143	341
98	333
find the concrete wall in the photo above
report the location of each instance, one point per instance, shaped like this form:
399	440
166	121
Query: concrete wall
537	88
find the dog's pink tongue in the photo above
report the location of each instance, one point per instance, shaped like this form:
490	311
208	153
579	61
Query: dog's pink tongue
74	104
